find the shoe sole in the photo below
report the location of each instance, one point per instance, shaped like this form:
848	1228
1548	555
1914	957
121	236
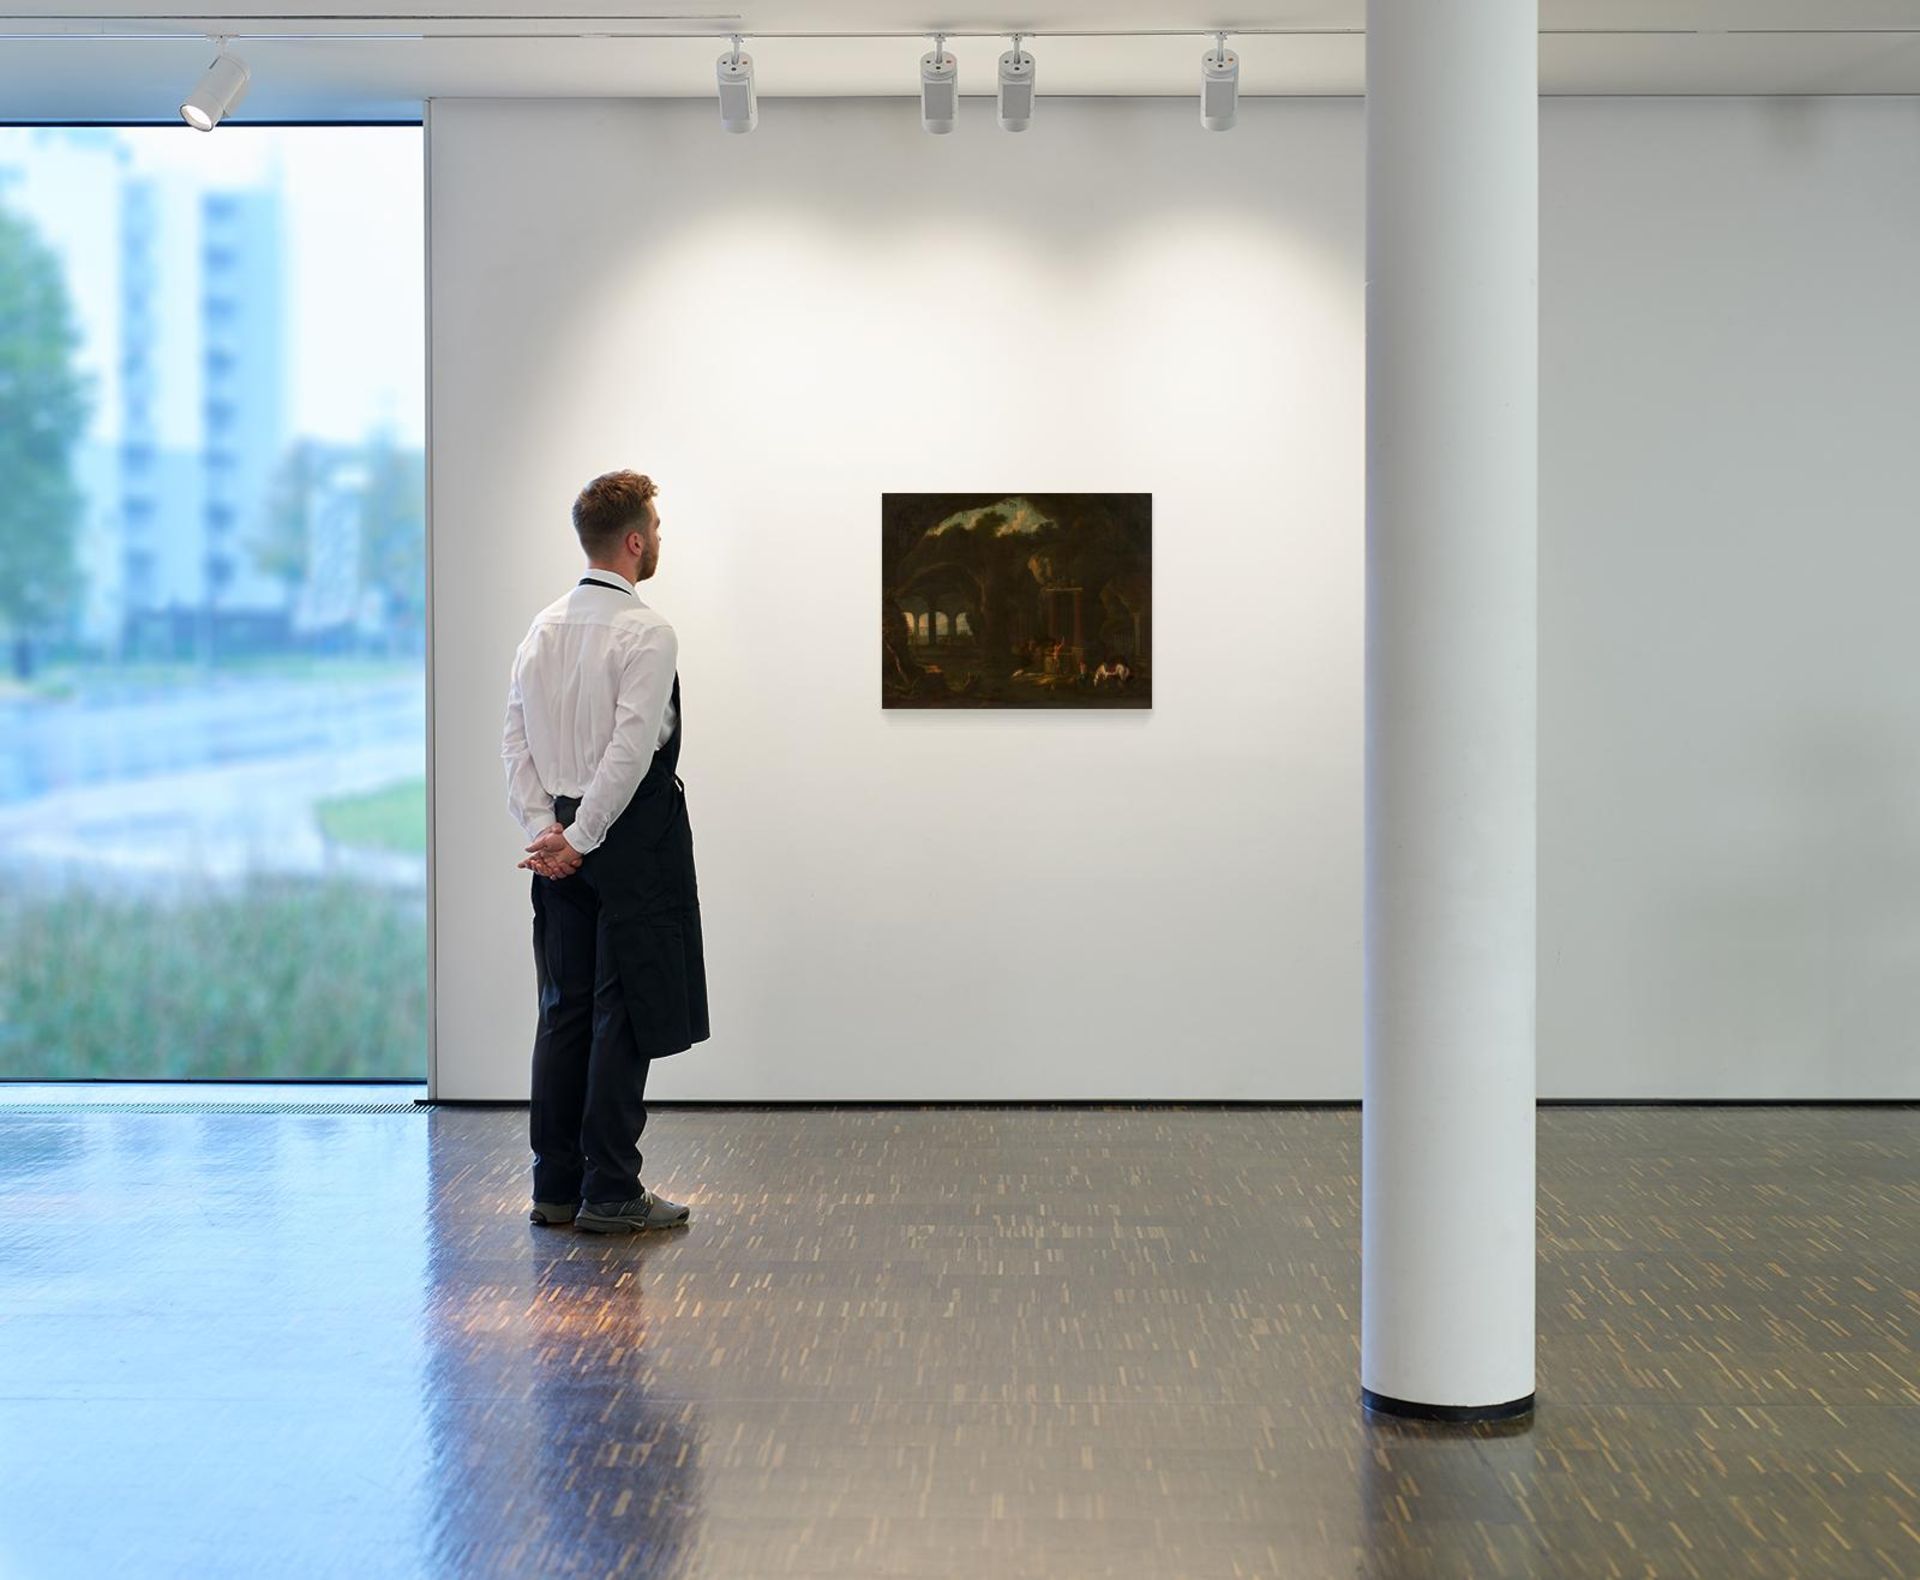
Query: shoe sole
623	1225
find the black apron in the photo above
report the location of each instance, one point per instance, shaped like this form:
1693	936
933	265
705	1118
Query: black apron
650	905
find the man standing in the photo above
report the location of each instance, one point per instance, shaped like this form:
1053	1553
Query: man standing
591	744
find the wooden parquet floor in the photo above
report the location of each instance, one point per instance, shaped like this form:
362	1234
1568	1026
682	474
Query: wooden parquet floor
935	1343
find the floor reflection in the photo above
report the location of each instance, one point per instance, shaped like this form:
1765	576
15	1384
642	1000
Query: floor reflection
556	1448
210	1344
1005	1344
1438	1498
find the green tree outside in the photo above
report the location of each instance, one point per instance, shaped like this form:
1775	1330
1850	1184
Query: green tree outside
282	549
390	488
393	535
44	403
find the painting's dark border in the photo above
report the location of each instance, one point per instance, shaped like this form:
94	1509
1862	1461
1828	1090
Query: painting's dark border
1142	702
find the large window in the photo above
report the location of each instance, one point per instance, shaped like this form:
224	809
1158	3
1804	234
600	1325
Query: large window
212	603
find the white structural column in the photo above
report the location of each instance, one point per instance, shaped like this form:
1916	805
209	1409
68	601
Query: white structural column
1447	1280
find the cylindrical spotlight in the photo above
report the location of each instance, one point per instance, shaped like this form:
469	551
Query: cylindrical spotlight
220	89
939	88
1016	88
1219	87
739	105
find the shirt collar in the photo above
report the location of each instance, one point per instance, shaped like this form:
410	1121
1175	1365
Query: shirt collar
611	579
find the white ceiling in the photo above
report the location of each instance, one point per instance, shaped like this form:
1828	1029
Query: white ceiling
60	61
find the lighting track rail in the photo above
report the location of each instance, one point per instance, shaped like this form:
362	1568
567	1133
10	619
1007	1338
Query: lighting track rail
226	79
258	27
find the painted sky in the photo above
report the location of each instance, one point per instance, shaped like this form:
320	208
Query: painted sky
1020	513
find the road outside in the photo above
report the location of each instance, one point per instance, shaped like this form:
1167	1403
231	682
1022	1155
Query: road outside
174	901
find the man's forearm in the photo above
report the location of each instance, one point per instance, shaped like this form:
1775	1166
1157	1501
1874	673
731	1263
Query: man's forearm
527	798
531	806
614	782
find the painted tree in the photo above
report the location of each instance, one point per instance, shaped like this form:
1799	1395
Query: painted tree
44	401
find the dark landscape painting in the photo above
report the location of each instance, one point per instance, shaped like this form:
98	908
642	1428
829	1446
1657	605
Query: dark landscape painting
1016	600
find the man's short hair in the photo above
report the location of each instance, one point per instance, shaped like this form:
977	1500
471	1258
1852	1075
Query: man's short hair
611	506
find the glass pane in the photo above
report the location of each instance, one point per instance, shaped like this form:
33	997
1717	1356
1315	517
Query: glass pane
212	603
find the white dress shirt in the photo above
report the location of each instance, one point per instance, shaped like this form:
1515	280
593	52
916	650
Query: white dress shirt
590	702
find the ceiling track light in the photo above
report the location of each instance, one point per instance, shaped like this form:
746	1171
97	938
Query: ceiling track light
1219	86
218	92
739	104
1016	88
939	88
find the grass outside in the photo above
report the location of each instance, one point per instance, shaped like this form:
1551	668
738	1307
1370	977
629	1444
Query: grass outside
391	819
285	979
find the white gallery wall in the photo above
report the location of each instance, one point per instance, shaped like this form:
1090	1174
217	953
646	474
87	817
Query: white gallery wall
1730	598
780	328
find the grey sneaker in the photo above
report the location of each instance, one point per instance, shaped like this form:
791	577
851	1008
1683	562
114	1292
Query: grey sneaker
554	1214
645	1211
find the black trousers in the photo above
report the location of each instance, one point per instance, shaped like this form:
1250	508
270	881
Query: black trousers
589	1077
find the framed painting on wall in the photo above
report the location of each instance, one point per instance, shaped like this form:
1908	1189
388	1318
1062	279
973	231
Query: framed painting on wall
1016	600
